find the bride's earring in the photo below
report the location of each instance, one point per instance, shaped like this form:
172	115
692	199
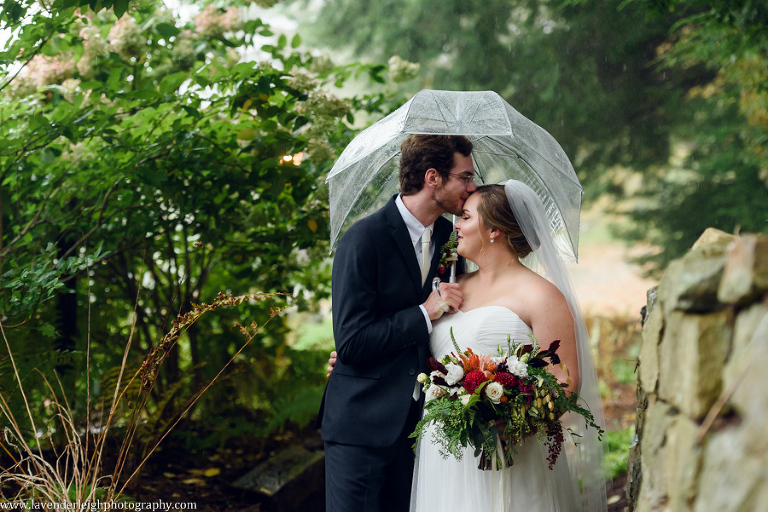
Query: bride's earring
492	239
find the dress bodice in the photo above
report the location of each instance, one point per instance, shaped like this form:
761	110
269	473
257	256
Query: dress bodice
481	329
452	485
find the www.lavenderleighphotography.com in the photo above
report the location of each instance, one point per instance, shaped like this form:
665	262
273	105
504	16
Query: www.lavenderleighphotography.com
330	255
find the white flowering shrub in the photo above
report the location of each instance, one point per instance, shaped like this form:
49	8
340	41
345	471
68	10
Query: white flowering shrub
145	166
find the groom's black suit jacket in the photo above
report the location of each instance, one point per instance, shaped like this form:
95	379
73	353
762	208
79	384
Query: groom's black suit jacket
380	332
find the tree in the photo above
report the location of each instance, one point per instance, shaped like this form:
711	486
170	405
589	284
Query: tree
720	176
625	87
580	71
146	166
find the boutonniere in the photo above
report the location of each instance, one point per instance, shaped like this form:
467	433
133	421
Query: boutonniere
448	253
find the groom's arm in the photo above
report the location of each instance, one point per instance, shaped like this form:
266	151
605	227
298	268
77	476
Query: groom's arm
364	329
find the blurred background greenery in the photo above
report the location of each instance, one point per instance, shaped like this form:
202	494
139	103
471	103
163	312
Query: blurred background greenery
153	155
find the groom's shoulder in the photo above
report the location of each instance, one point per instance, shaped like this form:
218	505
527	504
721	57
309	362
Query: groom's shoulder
368	229
376	221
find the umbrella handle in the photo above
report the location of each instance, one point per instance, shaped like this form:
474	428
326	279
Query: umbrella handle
452	279
440	302
436	286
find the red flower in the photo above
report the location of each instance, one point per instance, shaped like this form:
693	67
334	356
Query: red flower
441	269
506	379
473	379
525	390
436	366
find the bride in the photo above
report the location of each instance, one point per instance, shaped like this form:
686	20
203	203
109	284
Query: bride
503	227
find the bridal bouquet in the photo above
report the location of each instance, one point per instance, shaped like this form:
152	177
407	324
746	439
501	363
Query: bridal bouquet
467	393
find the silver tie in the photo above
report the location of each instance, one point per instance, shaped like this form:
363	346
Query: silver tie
426	239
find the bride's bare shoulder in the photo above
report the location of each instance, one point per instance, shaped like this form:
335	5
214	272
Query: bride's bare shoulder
540	289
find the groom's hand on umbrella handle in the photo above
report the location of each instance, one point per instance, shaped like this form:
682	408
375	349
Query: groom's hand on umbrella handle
331	363
445	298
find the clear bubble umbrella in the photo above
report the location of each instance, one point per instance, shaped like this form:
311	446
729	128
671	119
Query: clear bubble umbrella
507	145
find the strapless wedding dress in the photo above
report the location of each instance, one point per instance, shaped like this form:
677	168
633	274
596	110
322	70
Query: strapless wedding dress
449	485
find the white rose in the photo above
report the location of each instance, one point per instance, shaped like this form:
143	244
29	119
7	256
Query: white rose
517	367
495	391
455	373
422	378
464	399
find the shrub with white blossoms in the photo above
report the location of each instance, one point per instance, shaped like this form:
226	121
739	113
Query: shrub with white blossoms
214	21
127	39
401	70
94	46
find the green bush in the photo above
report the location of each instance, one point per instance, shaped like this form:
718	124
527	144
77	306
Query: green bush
617	455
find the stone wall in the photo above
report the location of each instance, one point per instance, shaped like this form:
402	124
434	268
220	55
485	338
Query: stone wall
702	424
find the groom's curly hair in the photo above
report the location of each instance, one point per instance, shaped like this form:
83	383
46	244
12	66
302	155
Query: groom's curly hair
420	152
496	213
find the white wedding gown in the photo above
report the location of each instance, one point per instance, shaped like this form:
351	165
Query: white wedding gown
449	485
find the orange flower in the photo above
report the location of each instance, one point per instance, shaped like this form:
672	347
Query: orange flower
475	362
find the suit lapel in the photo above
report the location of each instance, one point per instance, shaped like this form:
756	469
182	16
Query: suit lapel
402	238
403	242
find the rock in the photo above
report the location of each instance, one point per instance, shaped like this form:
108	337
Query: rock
701	437
634	471
291	480
651	298
691	360
635	462
691	283
732	475
748	377
654	491
712	235
649	352
682	462
746	326
746	270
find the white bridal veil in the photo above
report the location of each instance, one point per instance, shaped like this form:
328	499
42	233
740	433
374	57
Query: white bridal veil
585	454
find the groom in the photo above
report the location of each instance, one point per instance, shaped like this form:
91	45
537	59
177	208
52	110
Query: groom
383	309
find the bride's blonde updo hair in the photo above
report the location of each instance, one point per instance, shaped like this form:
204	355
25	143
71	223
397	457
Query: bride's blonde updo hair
496	213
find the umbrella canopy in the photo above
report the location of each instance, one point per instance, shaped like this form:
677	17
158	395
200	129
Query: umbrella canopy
507	145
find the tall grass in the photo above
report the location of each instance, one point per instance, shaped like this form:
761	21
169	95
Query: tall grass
40	471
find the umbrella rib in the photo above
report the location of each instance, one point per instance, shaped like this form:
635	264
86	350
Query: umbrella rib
572	179
541	183
439	109
365	183
475	109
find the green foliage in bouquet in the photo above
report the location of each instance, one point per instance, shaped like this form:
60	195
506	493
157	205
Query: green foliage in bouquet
468	393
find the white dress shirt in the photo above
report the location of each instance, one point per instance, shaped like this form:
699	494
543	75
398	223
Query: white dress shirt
415	230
